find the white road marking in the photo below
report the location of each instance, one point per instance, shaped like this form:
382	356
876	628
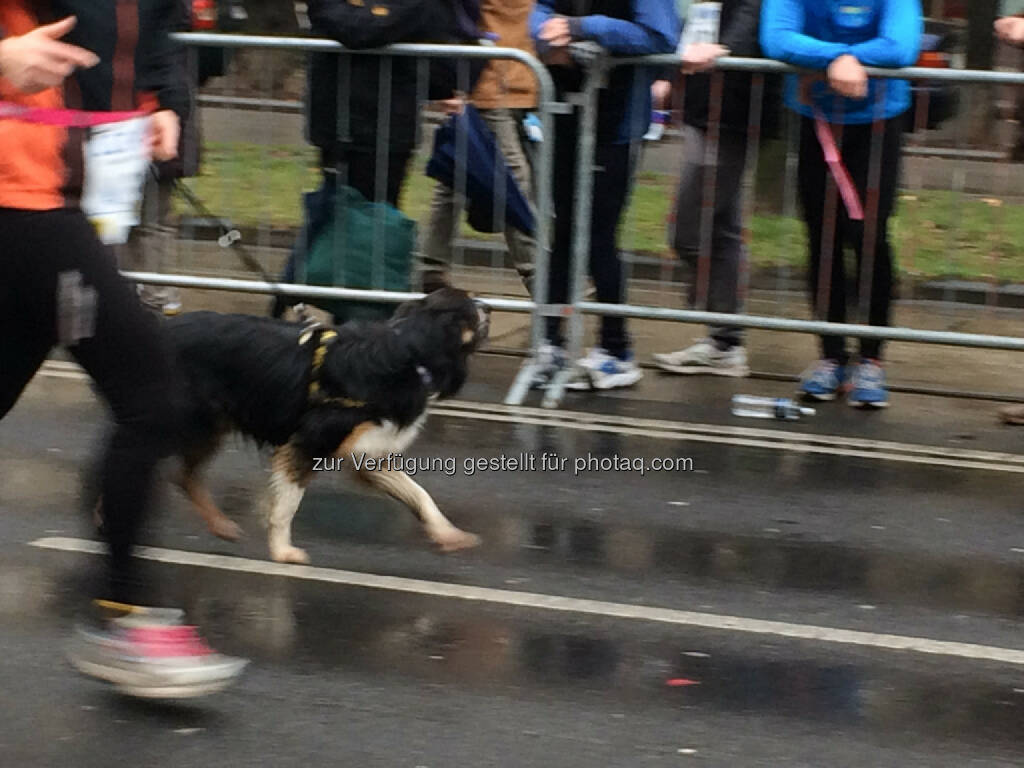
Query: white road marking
558	603
750	437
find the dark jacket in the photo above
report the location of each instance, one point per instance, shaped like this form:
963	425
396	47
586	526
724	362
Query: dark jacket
368	78
625	28
136	71
739	33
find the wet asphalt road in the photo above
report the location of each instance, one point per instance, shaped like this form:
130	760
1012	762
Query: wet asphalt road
345	675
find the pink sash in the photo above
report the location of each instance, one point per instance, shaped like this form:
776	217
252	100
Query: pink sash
65	118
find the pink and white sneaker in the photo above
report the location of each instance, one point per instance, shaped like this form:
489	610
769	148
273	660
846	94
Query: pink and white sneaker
151	654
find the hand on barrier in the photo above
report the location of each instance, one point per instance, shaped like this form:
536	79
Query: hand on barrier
38	60
164	130
848	78
701	57
454	105
555	32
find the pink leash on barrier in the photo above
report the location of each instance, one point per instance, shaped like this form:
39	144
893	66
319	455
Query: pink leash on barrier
842	177
64	118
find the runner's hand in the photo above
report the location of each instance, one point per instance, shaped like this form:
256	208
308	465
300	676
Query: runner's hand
164	130
38	60
848	78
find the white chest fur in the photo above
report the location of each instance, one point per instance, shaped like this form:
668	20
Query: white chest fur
387	438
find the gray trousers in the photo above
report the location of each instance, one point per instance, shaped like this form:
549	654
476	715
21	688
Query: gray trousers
442	226
149	246
727	249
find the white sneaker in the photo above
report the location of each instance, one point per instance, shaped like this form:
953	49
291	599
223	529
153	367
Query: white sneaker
705	357
599	370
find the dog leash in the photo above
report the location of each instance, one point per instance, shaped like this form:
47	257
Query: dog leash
63	118
231	238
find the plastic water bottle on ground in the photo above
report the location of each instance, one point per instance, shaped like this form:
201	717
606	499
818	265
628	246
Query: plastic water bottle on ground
781	408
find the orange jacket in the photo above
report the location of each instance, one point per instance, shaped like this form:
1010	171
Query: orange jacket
41	165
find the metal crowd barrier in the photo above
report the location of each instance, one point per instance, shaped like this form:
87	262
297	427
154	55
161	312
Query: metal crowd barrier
578	305
267	104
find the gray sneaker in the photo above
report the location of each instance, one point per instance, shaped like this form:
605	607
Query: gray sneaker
150	655
550	359
705	357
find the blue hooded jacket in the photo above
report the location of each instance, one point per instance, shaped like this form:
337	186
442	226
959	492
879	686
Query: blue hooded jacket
624	28
813	33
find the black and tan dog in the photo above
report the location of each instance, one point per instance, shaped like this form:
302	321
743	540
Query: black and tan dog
313	392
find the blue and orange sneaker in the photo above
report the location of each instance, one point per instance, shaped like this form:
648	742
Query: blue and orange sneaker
823	380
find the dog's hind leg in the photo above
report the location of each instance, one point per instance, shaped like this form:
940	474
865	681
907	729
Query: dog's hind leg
219	524
439	528
289	477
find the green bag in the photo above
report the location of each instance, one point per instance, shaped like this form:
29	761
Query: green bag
358	244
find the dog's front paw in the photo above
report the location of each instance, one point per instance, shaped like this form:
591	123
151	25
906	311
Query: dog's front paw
290	555
454	540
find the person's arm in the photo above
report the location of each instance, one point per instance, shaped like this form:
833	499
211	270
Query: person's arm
740	35
899	37
783	38
543	11
357	26
159	74
654	29
159	67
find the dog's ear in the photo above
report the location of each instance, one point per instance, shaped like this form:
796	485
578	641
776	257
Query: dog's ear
407	308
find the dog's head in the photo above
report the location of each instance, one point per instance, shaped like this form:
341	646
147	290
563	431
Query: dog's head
445	327
452	310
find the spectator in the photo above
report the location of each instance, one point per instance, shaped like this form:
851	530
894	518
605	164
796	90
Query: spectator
841	39
360	145
626	27
722	352
505	91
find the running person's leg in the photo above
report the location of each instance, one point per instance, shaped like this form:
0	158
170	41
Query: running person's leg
75	295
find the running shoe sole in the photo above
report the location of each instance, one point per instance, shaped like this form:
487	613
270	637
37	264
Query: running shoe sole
867	404
825	397
618	381
691	370
142	684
